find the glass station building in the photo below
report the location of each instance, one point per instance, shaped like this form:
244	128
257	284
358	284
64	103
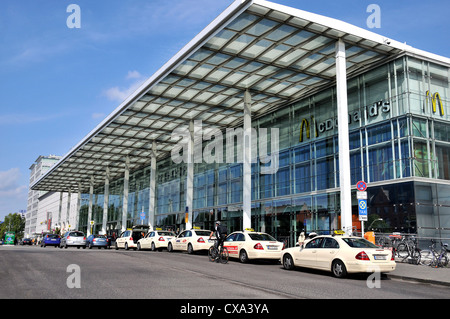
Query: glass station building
275	67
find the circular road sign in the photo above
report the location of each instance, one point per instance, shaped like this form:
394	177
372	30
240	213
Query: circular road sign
361	186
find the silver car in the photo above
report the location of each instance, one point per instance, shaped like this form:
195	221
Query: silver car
74	238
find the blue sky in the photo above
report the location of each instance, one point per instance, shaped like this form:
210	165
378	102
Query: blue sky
58	83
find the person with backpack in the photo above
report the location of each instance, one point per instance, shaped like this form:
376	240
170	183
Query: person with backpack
221	232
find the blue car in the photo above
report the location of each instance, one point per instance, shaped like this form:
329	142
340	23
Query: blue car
97	241
51	240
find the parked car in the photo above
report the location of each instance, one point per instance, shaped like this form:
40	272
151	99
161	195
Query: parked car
340	255
98	241
247	245
156	239
51	240
73	238
129	238
191	241
26	241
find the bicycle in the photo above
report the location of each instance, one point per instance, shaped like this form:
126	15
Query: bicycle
215	255
408	248
431	257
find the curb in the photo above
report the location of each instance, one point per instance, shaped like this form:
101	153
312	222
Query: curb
420	280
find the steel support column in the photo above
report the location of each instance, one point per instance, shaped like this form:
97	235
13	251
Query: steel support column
105	201
190	177
344	148
152	196
247	165
91	201
126	180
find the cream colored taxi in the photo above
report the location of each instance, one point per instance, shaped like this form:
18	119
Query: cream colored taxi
249	244
339	254
155	240
130	237
191	241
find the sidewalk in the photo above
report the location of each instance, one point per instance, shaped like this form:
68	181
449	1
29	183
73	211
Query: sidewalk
420	273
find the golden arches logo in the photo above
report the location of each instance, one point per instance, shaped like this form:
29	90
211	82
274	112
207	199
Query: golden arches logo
305	125
435	100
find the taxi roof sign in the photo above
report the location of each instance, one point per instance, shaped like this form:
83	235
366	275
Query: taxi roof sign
339	232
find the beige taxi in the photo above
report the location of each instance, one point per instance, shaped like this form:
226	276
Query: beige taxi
191	241
339	254
130	237
249	244
155	240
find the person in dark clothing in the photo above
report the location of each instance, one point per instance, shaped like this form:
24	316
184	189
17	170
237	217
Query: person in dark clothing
220	231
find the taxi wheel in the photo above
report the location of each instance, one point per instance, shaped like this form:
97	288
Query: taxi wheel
243	257
126	246
170	248
338	269
190	249
139	246
116	246
153	247
288	262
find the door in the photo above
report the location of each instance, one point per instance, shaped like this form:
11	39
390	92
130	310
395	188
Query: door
147	241
327	252
307	256
234	243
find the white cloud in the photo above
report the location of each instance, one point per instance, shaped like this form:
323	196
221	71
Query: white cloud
121	93
13	196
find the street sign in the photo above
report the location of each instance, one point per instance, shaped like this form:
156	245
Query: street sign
361	195
142	215
362	209
361	186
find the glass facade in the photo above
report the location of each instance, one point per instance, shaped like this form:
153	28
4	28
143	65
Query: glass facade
399	144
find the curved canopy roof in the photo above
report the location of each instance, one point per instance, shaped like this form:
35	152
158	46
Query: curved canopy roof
280	54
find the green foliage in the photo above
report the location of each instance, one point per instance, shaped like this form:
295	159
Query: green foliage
13	222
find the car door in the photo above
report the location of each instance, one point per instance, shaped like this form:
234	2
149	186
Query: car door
306	255
327	252
177	242
146	243
187	239
232	246
123	237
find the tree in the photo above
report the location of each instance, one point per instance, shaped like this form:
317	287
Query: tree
13	222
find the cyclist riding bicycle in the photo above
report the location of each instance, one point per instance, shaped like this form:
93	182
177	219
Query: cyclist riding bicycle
221	232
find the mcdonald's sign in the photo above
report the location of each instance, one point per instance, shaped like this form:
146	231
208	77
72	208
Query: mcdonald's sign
305	125
435	101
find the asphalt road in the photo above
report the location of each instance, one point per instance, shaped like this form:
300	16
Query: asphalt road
47	273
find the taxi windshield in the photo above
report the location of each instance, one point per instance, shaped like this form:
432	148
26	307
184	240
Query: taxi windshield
261	237
359	243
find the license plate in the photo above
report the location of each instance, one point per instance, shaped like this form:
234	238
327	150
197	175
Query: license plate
272	247
379	257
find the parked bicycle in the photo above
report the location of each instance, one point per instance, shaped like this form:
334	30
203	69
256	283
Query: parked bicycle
432	257
408	248
214	254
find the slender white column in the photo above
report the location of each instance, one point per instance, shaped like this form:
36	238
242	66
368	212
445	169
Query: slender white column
152	197
344	148
247	165
190	178
126	180
105	201
69	199
77	219
59	222
91	199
